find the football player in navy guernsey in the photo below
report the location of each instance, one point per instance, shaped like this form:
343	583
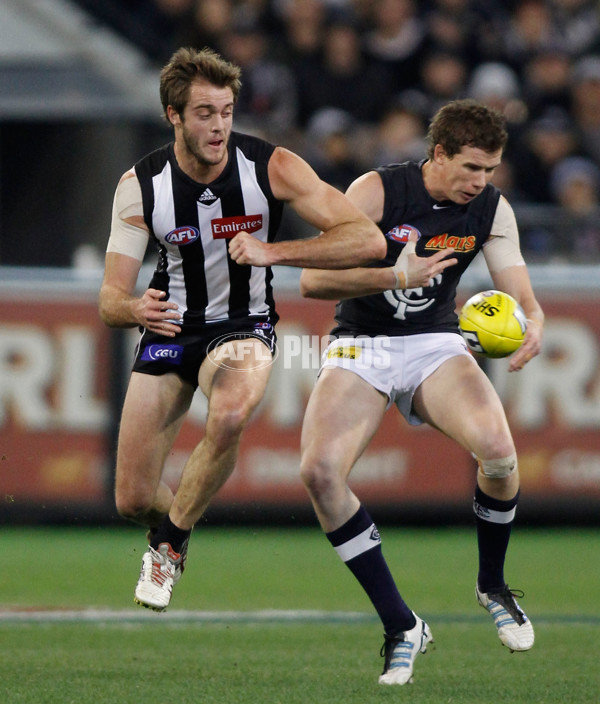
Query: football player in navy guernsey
436	216
211	201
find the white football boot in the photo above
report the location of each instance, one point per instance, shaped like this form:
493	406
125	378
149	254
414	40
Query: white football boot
514	628
155	584
401	651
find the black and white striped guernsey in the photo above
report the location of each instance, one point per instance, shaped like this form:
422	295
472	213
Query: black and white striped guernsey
192	223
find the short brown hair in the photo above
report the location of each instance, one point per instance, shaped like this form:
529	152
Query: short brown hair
466	123
188	65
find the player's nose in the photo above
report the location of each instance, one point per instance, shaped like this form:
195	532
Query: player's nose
479	181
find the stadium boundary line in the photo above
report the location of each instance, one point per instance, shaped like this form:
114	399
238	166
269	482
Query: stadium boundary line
185	617
179	616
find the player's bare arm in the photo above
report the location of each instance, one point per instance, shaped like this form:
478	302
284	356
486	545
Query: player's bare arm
348	238
507	268
367	194
120	308
409	270
515	281
118	305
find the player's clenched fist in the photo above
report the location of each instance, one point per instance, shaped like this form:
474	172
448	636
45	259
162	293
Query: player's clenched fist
245	249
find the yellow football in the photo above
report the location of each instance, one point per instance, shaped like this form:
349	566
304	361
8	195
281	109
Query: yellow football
492	323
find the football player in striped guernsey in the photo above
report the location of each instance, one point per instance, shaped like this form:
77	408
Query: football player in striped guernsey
211	202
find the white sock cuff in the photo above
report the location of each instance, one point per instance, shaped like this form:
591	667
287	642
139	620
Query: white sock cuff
367	540
488	514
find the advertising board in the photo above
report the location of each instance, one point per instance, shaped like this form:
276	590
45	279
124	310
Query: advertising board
57	419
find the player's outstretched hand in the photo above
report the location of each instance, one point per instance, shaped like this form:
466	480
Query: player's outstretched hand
413	271
531	346
154	313
245	249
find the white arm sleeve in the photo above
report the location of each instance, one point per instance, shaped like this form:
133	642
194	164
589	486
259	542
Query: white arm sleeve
126	238
502	248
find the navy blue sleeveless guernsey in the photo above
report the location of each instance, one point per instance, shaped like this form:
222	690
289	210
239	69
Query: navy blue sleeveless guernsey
409	207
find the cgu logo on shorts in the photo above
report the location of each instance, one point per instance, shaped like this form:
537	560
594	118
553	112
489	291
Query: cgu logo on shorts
171	354
225	228
400	233
183	235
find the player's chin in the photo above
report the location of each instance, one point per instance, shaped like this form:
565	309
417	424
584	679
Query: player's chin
214	153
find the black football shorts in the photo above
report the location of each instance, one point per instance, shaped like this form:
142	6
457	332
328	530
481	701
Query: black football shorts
184	353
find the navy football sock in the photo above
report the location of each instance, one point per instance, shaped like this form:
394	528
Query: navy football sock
168	532
494	520
358	544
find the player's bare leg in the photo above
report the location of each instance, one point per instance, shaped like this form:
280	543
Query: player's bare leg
234	389
476	419
152	416
334	435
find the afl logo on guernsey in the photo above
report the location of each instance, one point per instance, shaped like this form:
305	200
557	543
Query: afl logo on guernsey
183	235
400	233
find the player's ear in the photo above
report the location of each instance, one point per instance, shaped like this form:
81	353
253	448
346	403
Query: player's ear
173	116
439	155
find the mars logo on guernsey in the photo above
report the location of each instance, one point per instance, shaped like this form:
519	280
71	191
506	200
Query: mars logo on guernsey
400	233
183	235
464	243
225	228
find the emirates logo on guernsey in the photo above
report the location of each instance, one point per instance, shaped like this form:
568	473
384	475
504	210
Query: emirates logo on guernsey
225	228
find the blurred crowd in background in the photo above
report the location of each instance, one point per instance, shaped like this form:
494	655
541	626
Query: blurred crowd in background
352	84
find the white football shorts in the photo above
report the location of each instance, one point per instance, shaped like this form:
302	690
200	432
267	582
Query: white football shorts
396	366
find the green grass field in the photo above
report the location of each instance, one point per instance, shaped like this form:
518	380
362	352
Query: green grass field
272	616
